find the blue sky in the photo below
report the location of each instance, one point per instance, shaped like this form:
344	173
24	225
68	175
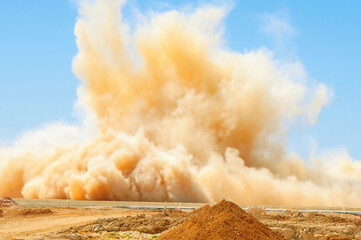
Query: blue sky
37	45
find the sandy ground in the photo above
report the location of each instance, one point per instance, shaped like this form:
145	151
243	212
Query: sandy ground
67	213
45	219
14	224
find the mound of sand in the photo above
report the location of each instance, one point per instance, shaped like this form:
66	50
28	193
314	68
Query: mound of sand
14	211
7	202
152	224
35	211
223	221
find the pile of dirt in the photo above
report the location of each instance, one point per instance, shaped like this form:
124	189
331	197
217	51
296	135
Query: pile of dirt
152	224
223	221
35	211
15	211
7	202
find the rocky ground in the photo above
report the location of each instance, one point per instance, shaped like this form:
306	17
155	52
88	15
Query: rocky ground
295	225
129	227
292	225
113	223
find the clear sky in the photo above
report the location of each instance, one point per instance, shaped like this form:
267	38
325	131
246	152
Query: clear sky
37	45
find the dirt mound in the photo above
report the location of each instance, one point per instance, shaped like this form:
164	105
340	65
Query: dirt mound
223	221
14	211
35	211
144	224
7	202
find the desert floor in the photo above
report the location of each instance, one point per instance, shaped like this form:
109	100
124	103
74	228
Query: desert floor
67	219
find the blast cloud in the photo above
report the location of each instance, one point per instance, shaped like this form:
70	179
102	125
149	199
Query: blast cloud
171	114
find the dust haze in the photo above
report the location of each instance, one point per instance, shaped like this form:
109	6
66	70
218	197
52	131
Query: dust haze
171	113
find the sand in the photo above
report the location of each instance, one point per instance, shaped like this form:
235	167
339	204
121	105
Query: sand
39	219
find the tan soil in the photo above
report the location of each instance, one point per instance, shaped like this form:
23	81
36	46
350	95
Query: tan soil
36	226
36	211
225	220
151	224
28	221
309	226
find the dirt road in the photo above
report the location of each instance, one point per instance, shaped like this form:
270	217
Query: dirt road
16	223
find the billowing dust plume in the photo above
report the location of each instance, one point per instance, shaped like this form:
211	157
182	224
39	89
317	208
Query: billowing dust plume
170	113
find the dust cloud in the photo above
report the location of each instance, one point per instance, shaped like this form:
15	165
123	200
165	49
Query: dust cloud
171	113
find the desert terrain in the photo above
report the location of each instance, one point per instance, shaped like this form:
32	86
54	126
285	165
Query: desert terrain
67	219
